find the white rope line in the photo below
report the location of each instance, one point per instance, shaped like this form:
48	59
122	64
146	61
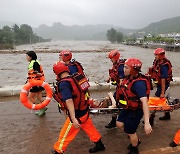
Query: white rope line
33	106
43	84
24	91
48	98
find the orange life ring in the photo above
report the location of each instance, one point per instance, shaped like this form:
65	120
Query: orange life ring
24	99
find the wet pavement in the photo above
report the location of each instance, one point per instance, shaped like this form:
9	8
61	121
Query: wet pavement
22	132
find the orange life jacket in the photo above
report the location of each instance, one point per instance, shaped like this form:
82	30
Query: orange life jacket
32	75
113	72
125	97
80	87
155	70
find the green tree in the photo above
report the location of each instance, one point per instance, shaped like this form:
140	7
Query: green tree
25	34
26	29
111	35
119	37
18	35
15	28
6	35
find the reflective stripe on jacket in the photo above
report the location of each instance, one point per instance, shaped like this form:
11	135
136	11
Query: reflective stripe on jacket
32	74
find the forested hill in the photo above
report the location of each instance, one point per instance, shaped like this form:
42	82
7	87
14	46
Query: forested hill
76	32
58	31
98	32
164	26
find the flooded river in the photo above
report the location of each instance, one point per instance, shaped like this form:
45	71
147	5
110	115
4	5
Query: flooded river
13	67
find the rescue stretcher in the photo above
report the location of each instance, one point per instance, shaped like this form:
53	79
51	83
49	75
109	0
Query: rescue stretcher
156	104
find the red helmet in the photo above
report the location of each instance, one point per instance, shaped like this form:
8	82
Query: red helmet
60	67
134	63
159	51
66	55
114	54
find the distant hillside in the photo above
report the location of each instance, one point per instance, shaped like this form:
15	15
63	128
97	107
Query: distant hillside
164	26
58	31
75	32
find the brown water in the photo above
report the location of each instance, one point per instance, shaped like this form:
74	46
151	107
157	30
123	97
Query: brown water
13	67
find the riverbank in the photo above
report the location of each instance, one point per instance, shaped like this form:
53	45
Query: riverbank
167	47
84	46
172	48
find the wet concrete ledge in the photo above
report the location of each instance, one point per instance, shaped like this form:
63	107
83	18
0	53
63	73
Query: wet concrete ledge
7	91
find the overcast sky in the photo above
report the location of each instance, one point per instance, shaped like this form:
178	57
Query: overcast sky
124	13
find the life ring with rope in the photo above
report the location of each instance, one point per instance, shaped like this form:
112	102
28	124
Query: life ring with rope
24	98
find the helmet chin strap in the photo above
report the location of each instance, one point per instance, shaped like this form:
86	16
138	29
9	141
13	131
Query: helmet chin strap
161	57
67	62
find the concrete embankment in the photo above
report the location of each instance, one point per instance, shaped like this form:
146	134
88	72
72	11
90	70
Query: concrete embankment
8	91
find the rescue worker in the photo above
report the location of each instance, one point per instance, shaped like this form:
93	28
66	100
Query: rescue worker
161	73
35	72
132	95
176	140
73	65
116	74
71	93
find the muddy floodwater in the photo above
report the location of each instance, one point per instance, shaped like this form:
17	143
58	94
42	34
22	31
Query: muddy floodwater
13	67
